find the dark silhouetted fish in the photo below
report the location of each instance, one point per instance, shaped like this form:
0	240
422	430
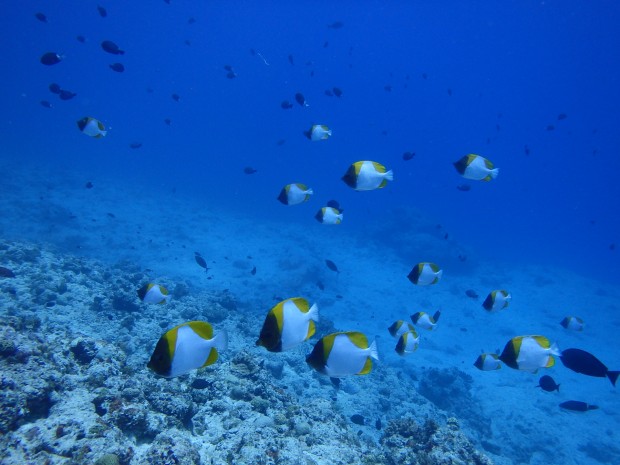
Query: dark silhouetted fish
547	383
336	25
45	104
387	88
135	145
562	116
464	187
191	20
253	272
66	94
228	67
41	17
550	127
176	97
450	92
526	150
585	363
577	406
54	88
111	47
329	93
291	60
118	67
286	105
299	98
337	91
81	39
471	293
89	185
6	273
249	170
201	261
168	121
50	58
231	75
358	419
335	204
102	11
332	266
320	285
408	156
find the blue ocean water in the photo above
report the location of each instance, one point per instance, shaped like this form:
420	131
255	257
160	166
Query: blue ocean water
533	86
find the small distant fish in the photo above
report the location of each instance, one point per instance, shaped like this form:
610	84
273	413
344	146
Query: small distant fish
286	105
168	121
329	215
300	99
331	265
426	321
294	194
408	156
253	271
91	127
399	327
562	116
497	300
343	354
153	294
176	97
337	91
587	364
488	362
291	60
547	383
288	324
320	285
367	175
191	20
318	132
471	293
529	353
336	25
111	47
450	92
231	74
6	273
358	419
187	347
550	127
54	88
201	261
476	167
102	11
408	342
464	187
425	273
50	58
118	67
387	88
89	185
249	170
573	323
335	204
135	145
45	104
329	93
612	246
41	17
80	39
577	406
65	94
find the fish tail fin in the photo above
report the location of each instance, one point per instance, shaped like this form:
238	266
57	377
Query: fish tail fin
373	350
436	316
389	175
220	340
309	192
555	350
313	312
493	173
613	376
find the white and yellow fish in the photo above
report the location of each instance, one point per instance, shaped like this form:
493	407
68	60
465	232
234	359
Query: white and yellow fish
424	320
318	132
294	194
488	362
367	176
91	127
329	215
425	273
187	347
288	324
343	354
476	167
529	353
153	294
574	323
408	342
399	327
497	300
